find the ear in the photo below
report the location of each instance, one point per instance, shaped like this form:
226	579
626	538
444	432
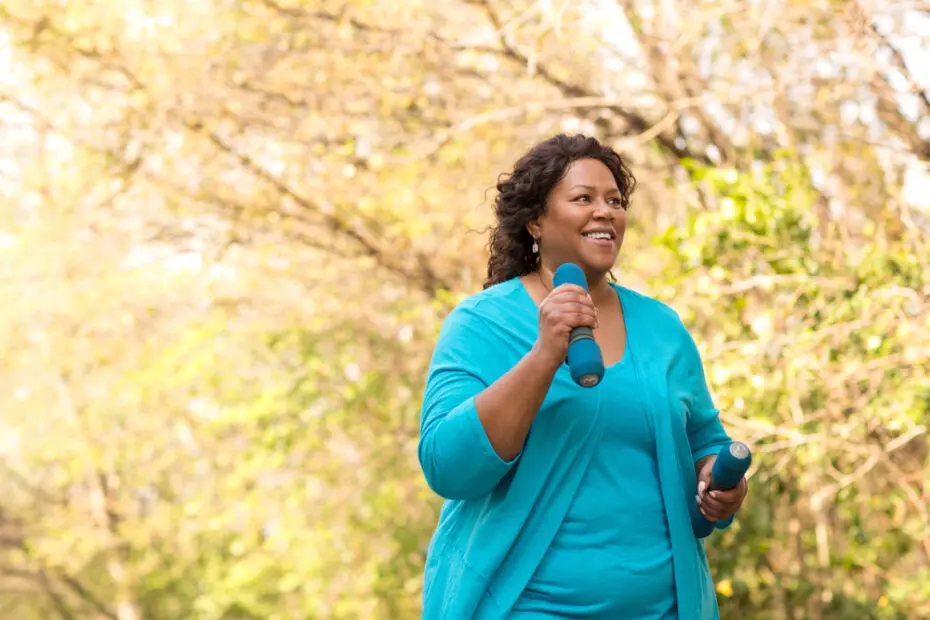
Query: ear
534	229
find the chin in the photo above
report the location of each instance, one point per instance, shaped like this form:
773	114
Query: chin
597	266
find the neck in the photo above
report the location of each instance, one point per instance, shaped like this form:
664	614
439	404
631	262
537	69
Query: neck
598	285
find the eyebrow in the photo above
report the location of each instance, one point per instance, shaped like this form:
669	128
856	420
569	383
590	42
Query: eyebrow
612	189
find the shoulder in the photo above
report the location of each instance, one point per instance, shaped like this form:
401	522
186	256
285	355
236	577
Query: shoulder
667	331
490	303
658	313
479	324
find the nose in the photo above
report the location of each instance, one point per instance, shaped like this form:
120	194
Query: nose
602	210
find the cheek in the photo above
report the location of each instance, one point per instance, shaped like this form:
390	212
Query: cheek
620	221
560	221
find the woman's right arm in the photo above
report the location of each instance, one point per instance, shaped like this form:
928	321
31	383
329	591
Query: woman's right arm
472	427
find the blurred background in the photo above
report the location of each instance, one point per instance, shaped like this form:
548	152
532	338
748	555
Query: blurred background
230	231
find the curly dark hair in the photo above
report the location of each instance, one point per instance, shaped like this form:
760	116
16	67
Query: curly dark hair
522	194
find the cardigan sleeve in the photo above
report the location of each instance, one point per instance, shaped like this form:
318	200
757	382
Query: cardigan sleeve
705	431
455	453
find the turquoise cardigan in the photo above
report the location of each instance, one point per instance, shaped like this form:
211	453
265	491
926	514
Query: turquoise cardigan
500	517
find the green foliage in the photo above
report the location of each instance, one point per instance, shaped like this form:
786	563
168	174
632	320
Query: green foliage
816	358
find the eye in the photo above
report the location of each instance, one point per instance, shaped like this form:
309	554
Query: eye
583	198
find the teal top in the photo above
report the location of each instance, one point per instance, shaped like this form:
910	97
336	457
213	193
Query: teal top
527	537
612	555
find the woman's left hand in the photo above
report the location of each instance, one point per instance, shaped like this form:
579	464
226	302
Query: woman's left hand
718	505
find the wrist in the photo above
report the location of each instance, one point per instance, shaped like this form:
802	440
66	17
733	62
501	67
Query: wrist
542	362
702	463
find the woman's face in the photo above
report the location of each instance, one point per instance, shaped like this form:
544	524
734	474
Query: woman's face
584	221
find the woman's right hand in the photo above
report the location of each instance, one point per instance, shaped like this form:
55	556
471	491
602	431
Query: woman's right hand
564	308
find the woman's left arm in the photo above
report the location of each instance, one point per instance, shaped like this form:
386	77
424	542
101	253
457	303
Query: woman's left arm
707	436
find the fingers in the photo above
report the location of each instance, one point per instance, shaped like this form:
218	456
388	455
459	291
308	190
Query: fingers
578	314
570	305
719	505
712	509
703	478
563	309
569	288
571	292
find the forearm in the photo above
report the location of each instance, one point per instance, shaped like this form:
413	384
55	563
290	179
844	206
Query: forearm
508	406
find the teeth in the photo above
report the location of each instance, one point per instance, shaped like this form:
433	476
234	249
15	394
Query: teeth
598	235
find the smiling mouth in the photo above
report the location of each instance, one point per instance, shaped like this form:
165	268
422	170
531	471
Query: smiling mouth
598	236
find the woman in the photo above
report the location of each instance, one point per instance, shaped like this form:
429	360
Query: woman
565	501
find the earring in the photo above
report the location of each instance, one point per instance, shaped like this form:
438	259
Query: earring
535	247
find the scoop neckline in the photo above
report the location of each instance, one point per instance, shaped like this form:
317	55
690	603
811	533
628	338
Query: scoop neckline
621	294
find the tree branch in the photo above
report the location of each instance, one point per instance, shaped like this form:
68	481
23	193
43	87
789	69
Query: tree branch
888	107
900	64
426	278
637	123
676	86
423	276
575	103
45	579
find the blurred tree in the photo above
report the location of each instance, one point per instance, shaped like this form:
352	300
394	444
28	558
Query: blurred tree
231	231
